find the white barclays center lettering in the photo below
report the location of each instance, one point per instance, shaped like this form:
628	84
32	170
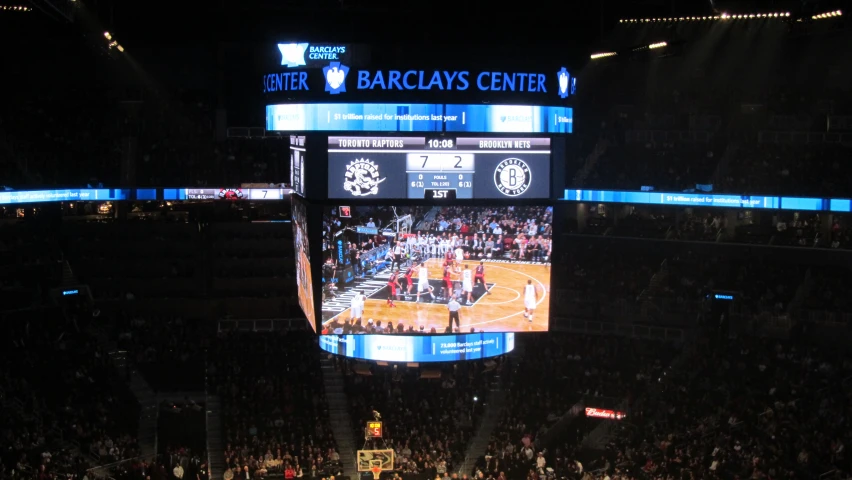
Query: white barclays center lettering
326	52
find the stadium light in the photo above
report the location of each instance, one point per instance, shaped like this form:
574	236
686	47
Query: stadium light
120	48
107	35
657	45
822	16
722	16
596	56
15	8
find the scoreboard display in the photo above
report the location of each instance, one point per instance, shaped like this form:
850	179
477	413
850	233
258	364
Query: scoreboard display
438	168
233	194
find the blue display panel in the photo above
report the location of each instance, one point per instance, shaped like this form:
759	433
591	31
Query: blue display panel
67	195
419	348
711	200
422	117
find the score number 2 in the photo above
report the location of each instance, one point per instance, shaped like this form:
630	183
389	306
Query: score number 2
458	159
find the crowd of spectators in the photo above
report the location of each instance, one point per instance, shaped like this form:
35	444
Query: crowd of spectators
784	169
745	408
66	408
555	372
429	415
665	166
517	233
275	415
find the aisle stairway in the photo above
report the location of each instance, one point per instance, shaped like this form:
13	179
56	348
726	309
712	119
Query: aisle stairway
490	420
341	422
149	413
215	447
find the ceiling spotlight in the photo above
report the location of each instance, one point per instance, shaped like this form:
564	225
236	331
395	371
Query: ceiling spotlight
120	48
107	35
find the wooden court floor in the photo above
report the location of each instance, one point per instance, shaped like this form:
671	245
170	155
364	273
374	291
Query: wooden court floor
501	311
306	295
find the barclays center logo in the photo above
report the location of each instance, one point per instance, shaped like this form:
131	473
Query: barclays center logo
516	118
567	85
564	83
293	54
335	77
391	348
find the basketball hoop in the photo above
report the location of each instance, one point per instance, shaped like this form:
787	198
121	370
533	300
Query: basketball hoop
376	468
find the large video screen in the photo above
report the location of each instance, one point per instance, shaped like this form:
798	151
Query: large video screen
303	259
297	164
436	270
418	117
439	167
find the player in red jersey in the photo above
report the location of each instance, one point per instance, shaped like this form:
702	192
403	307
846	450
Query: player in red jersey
479	277
408	279
448	282
393	285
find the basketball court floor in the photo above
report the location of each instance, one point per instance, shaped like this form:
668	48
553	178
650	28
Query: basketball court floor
500	311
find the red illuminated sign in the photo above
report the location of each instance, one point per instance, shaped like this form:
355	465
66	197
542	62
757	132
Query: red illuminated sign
602	413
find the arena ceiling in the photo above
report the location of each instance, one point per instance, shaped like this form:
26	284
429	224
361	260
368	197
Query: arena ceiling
572	23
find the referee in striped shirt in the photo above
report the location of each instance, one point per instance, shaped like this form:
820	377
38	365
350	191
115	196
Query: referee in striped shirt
454	306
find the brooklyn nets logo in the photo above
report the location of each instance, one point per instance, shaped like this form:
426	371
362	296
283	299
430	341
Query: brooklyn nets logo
362	178
512	177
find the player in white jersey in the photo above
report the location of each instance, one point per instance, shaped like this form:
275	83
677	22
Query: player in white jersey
356	306
530	300
467	284
423	282
459	256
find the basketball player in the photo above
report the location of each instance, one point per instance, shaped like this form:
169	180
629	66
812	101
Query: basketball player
530	300
448	256
393	285
409	280
467	284
357	307
479	277
448	282
423	282
459	258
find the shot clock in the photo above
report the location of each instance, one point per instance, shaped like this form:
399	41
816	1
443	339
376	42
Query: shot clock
438	168
374	429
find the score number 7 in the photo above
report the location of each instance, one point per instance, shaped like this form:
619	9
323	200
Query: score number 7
426	159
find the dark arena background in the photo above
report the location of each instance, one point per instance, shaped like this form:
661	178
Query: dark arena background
342	239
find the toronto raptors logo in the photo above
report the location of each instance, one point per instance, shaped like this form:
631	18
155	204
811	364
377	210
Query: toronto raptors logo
512	177
231	194
362	178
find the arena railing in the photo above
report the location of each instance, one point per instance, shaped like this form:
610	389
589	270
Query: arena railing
263	325
108	470
592	327
825	317
803	137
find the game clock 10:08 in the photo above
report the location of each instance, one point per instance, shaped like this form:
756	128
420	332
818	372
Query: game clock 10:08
438	168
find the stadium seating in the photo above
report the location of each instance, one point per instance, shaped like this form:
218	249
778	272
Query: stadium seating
429	415
275	415
747	408
66	409
555	372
